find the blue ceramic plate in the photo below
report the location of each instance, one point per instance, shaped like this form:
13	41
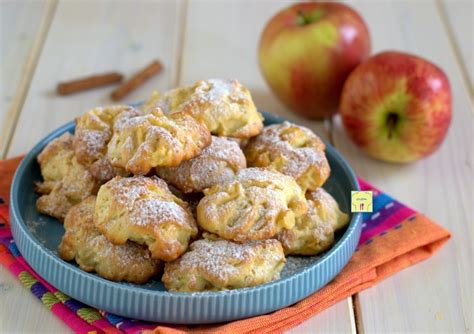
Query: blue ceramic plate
38	236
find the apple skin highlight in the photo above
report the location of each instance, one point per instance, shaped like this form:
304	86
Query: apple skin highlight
307	51
397	107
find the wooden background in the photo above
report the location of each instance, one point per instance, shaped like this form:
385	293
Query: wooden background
43	42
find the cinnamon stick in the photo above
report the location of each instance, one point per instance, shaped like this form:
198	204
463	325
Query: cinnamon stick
135	81
93	81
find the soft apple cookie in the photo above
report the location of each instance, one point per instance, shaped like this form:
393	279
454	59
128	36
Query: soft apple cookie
94	130
83	243
223	265
313	232
217	163
66	181
153	140
55	162
256	205
143	210
225	106
292	150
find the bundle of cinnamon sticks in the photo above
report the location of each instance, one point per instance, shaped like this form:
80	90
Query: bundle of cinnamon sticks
99	80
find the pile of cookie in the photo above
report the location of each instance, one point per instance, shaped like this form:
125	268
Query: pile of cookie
189	184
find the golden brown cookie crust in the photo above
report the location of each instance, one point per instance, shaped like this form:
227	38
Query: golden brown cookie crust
217	163
94	130
257	205
83	243
55	160
143	210
292	150
313	232
225	106
66	181
222	265
156	140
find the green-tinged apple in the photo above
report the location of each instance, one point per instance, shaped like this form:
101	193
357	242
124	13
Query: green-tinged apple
307	51
397	106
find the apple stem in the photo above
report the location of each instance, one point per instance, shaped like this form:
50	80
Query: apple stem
392	120
305	18
301	18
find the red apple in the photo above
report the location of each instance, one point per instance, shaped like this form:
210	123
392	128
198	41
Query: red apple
397	106
307	51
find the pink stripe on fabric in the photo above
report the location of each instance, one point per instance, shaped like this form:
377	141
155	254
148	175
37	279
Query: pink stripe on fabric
16	268
104	325
4	233
365	186
393	220
72	320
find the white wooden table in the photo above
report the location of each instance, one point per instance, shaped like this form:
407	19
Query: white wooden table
43	42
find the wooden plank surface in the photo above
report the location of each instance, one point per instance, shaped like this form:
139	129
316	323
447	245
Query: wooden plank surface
20	25
85	37
459	16
221	41
100	36
435	295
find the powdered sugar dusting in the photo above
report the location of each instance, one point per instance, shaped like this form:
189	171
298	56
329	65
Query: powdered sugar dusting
94	130
298	146
217	163
223	149
94	252
128	190
295	264
158	141
35	226
217	90
148	200
260	174
225	106
156	211
222	262
252	206
216	257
